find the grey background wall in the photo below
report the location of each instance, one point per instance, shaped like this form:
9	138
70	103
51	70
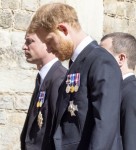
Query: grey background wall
17	77
120	15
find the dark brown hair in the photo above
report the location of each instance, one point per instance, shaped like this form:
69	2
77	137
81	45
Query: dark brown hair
123	42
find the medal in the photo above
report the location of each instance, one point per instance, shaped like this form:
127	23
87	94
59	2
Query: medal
67	89
40	119
40	104
68	84
76	88
41	99
72	89
72	108
77	81
37	105
73	82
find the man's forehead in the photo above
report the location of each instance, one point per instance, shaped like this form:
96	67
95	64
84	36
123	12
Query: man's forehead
30	35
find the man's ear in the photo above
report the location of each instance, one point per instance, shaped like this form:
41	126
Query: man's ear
62	28
121	59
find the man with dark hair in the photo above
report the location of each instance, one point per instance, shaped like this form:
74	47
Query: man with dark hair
37	127
87	110
123	47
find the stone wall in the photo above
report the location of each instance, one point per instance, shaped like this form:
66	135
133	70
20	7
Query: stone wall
16	76
120	15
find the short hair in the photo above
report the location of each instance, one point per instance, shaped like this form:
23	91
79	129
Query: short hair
50	15
123	42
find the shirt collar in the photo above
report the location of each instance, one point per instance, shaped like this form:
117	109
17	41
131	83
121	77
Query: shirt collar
44	70
127	75
80	47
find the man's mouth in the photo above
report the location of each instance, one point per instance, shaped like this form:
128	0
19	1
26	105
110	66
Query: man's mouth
27	55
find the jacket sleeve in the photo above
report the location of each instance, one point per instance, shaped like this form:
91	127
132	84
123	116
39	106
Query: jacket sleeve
128	118
105	82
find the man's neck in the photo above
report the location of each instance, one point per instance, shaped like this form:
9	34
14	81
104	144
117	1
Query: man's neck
45	61
126	71
77	37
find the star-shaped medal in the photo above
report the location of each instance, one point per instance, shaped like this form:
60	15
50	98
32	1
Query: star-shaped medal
72	108
40	120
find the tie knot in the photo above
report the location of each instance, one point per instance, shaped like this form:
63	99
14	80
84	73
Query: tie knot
38	78
70	62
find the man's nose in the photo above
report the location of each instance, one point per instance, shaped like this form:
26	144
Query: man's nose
24	47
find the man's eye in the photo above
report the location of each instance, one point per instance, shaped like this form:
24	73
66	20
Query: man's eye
29	41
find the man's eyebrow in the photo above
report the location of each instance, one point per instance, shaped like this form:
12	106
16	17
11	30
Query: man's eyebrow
28	38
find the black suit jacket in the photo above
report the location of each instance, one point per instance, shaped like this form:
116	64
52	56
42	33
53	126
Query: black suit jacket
128	113
33	138
95	125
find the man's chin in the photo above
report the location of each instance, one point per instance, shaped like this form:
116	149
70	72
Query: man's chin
61	58
29	61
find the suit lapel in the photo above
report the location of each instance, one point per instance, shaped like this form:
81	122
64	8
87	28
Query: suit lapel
31	110
49	78
46	84
29	114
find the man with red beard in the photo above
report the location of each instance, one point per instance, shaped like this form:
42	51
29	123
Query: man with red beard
37	127
88	105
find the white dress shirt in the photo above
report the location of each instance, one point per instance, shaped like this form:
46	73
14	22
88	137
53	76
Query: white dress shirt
127	75
44	70
80	47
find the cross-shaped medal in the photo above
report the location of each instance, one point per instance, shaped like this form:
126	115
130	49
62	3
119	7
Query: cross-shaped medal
72	108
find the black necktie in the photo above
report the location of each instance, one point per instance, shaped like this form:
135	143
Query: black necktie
38	79
70	62
35	93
